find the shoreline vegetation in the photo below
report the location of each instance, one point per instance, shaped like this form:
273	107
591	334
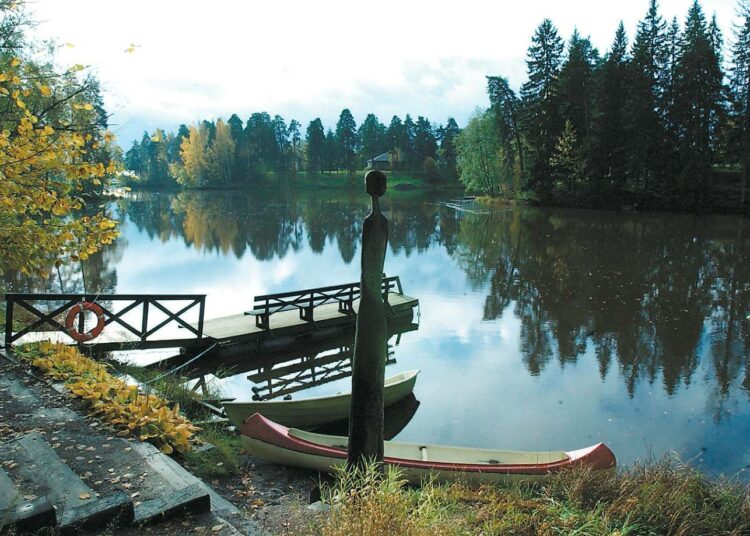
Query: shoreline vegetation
663	497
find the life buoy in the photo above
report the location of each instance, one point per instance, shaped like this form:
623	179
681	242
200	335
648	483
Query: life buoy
77	309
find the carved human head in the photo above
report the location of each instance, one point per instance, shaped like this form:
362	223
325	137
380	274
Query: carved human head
375	182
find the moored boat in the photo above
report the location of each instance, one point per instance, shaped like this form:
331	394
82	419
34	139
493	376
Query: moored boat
312	412
276	443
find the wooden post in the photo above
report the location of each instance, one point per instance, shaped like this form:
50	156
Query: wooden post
8	321
368	362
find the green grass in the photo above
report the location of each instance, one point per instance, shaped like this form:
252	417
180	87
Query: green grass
342	180
221	460
652	499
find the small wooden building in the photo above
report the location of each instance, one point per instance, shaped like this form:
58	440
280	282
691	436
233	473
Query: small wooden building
381	162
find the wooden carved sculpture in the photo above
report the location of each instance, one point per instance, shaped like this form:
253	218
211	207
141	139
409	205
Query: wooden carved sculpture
370	342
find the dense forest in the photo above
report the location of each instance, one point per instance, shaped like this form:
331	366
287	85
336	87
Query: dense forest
218	153
657	123
663	122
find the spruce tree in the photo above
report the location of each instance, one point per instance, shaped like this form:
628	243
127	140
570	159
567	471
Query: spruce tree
505	108
646	151
346	140
698	105
315	145
447	152
739	94
371	138
609	133
577	87
541	103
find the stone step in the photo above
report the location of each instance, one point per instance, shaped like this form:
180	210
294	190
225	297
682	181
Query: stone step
76	504
18	514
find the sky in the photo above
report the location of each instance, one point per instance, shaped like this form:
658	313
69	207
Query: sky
195	60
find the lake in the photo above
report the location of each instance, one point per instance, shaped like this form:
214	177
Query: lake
539	329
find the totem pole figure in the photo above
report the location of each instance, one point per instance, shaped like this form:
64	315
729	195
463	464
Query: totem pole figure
370	341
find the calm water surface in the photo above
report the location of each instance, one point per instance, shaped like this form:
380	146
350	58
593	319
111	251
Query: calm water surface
540	329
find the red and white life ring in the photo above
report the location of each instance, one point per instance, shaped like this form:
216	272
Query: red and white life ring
77	309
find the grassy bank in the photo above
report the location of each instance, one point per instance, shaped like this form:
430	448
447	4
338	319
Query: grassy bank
398	181
658	498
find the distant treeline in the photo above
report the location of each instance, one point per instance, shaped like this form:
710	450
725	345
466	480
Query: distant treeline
216	154
653	122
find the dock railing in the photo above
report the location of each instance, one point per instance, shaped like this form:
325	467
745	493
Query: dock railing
307	300
141	330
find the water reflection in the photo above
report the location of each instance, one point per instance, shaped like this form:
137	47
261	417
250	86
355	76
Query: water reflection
274	224
647	291
557	326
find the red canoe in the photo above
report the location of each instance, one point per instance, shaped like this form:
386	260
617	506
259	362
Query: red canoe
278	444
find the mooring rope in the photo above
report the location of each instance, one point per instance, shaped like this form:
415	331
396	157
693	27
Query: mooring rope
172	371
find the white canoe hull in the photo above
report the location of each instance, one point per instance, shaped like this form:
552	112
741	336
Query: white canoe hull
312	412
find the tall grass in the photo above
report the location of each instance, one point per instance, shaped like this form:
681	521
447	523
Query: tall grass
651	499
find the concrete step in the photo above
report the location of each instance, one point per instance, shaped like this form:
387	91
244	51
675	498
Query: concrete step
77	506
18	514
188	500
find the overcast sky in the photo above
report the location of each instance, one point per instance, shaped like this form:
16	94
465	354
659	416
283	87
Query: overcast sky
302	59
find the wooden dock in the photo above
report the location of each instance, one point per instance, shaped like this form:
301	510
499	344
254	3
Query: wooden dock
276	321
242	328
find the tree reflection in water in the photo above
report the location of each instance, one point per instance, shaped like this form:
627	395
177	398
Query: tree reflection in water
648	291
652	294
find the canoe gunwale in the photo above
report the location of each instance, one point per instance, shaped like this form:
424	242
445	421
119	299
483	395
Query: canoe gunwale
259	428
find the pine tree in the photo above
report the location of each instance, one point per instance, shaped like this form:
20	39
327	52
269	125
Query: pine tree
294	134
425	144
567	161
447	151
505	105
646	151
739	93
576	85
371	138
346	139
672	135
698	104
609	135
315	145
281	144
407	142
331	151
540	97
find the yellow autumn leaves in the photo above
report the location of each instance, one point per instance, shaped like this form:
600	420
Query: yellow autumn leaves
146	416
50	159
